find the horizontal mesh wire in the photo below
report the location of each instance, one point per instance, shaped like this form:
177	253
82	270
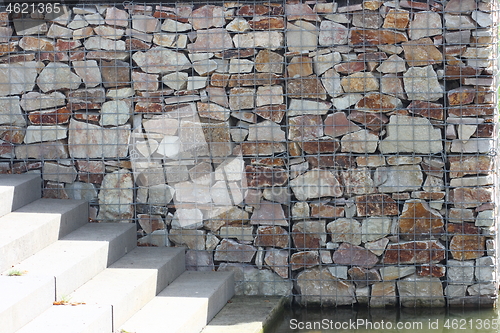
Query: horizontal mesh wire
338	152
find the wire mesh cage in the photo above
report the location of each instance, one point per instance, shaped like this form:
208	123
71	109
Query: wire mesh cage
338	152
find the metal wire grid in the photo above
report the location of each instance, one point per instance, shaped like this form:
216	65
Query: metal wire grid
276	155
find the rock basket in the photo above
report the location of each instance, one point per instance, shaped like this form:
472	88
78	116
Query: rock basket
340	153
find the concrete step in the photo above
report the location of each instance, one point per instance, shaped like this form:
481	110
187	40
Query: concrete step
186	306
81	255
82	318
37	225
132	281
18	190
22	299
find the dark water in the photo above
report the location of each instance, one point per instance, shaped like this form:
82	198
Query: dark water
405	320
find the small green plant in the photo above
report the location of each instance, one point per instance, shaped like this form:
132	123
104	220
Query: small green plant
16	272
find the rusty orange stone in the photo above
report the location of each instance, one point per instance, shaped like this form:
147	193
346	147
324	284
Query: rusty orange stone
250	80
471	110
375	37
12	134
463	229
485	130
427	109
374	121
260	176
320	146
59	116
7	48
92	117
274	112
144	107
431	270
396	19
219	80
429	195
304	259
272	162
470	165
267	23
294	149
66	45
262	148
417	252
253	10
377	102
461	96
321	210
376	205
419	221
422	52
273	236
300	66
467	247
350	67
306	87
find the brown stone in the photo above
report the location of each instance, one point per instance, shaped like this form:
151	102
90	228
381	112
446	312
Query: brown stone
90	171
376	205
262	148
321	210
376	102
29	43
7	48
230	250
12	134
374	121
419	221
471	110
350	67
115	73
459	72
236	54
348	254
300	66
142	107
260	176
306	87
359	82
464	197
251	10
428	195
304	259
272	236
463	229
302	128
51	117
267	23
363	277
485	130
274	113
218	137
219	80
277	260
269	213
66	45
253	79
418	252
269	62
431	270
396	19
337	124
336	161
375	37
467	247
422	52
427	109
461	96
320	146
272	162
300	11
309	234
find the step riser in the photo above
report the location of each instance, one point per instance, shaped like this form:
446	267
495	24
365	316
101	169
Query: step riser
17	191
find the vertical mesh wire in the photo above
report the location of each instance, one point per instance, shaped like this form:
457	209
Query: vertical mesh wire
337	152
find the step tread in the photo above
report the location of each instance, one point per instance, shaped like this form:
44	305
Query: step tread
187	305
81	255
71	319
132	281
23	298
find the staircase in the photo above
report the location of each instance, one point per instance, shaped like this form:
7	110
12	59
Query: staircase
61	274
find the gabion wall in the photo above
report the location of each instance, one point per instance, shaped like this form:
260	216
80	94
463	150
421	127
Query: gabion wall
341	153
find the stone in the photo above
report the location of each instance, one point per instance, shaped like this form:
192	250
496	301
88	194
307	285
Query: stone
317	286
403	136
458	22
467	247
458	37
176	80
271	236
196	82
300	11
309	234
323	62
10	111
171	40
159	60
116	197
84	138
240	66
485	218
193	239
422	52
416	291
425	24
205	67
377	247
17	78
305	259
81	191
299	66
383	294
266	23
266	131
419	221
367	19
375	228
461	95
269	62
304	128
37	101
345	230
143	81
269	213
301	36
170	25
332	82
29	43
207	16
238	25
398	178
316	183
241	234
57	76
306	87
241	98
262	148
373	121
277	260
359	82
337	124
460	272
361	141
114	113
320	210
393	64
145	23
485	269
232	251
358	181
58	173
348	254
267	95
271	40
376	102
116	17
436	270
358	36
35	133
422	84
474	145
363	277
376	205
482	289
332	34
482	18
213	111
460	6
300	210
414	252
396	19
464	197
299	107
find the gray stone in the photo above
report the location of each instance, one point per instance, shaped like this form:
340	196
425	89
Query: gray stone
398	178
358	181
474	145
145	23
383	294
323	62
395	272
45	133
57	76
28	26
100	43
374	228
58	173
277	260
339	272
161	60
416	291
485	218
114	113
458	22
455	290
302	36
232	251
377	247
116	197
10	111
411	134
300	107
191	192
316	184
485	270
37	101
269	95
393	64
421	84
331	81
460	272
480	289
193	239
332	34
201	261
213	40
18	78
188	218
266	131
425	24
362	141
317	286
81	191
345	230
